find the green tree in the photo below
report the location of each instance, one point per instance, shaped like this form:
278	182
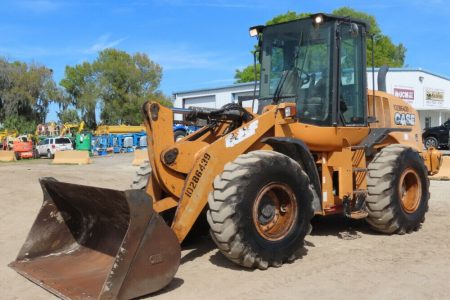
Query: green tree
247	74
83	90
385	51
20	123
127	81
25	94
69	115
117	83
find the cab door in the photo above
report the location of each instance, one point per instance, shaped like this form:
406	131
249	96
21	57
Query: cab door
352	82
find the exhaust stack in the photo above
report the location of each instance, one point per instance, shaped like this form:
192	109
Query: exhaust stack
382	78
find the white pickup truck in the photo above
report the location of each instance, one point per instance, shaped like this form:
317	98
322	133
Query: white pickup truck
49	146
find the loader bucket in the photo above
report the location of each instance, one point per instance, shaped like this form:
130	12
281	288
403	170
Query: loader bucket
444	171
7	155
95	243
72	157
140	156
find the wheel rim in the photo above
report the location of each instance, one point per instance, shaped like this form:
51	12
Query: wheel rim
430	143
275	211
410	190
178	138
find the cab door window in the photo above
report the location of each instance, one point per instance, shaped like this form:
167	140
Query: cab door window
352	102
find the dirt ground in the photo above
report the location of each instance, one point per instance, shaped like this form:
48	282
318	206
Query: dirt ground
344	258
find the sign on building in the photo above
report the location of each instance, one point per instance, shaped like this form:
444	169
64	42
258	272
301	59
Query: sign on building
434	97
406	94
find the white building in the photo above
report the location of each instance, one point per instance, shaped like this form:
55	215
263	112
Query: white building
427	92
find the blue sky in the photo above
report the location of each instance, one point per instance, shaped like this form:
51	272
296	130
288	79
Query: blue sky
199	43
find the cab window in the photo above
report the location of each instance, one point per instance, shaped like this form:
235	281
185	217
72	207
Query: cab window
352	102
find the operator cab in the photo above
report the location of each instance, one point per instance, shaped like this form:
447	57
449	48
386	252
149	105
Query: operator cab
320	64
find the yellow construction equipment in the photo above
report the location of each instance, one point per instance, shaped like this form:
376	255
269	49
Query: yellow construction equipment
140	156
67	128
71	157
107	129
320	144
7	155
5	133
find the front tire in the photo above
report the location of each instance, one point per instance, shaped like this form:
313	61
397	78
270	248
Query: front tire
398	190
260	210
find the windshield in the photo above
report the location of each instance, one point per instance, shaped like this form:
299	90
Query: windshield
295	67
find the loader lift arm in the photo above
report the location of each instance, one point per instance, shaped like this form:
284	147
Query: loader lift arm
187	178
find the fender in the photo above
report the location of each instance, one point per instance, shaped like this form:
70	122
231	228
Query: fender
298	151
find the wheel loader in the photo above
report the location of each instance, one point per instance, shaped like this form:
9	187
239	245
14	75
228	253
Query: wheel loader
320	144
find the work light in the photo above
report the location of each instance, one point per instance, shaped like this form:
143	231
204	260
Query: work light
318	19
255	30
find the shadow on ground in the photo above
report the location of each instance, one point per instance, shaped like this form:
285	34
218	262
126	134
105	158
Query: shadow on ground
340	226
337	226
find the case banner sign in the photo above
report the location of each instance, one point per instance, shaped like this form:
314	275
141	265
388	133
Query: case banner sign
434	97
405	94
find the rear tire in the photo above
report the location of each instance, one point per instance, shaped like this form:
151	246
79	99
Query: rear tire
260	210
398	190
431	141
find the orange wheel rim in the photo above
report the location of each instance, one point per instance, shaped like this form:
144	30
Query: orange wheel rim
275	211
410	190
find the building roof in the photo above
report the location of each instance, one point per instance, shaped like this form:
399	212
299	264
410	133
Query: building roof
252	83
223	87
